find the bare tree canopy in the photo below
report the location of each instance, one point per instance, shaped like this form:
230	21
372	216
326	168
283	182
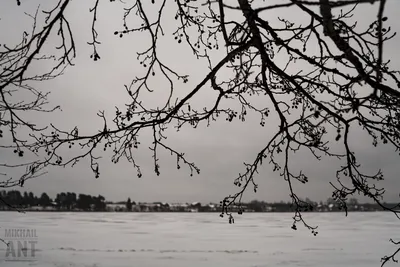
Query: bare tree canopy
251	55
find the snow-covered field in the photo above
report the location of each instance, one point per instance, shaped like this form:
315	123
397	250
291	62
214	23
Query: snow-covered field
198	239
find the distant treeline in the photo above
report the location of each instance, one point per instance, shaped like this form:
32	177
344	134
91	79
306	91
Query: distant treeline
13	199
63	201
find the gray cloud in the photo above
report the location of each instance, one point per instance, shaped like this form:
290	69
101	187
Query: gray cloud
219	150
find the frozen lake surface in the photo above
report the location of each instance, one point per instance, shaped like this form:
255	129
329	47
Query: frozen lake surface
199	239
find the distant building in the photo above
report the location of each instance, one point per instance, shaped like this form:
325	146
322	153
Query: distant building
115	207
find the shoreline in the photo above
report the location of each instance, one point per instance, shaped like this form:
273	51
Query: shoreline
233	212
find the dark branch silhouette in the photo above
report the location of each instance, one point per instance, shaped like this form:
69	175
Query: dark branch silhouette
346	84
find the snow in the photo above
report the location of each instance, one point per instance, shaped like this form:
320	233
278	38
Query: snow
202	239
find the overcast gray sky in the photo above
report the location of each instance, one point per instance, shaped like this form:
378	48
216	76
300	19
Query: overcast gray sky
219	150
